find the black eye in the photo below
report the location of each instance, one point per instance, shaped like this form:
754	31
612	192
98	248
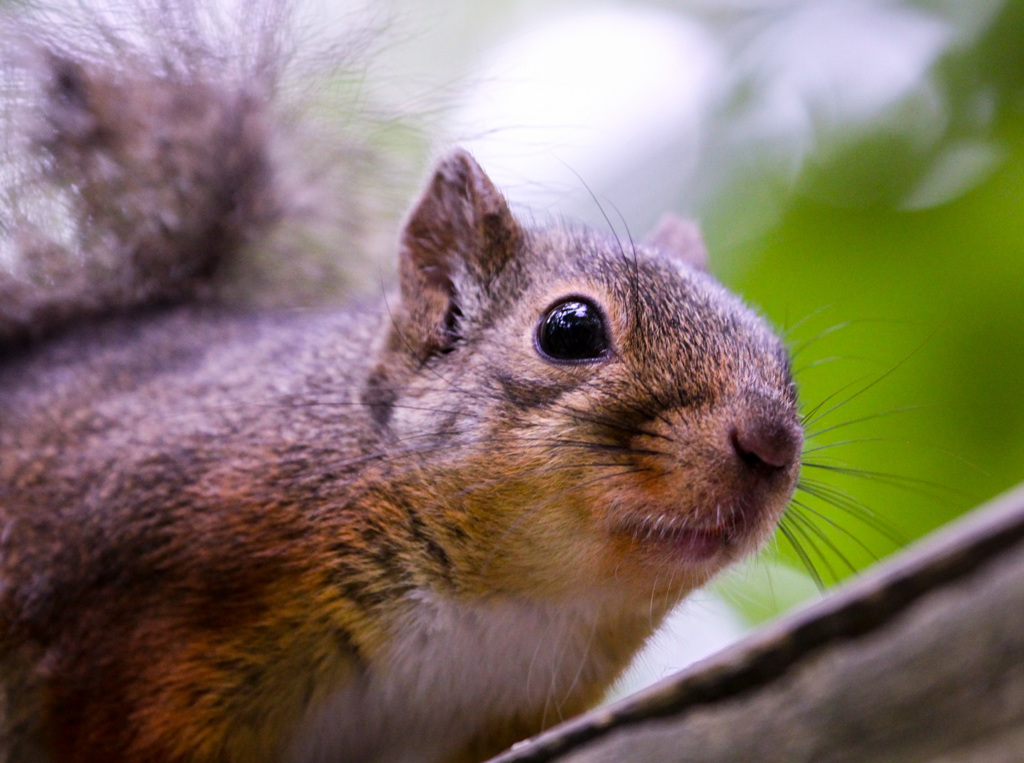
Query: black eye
573	330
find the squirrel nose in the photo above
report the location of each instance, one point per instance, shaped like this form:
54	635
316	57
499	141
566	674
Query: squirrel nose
767	445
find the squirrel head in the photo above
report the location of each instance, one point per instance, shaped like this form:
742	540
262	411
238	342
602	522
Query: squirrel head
596	413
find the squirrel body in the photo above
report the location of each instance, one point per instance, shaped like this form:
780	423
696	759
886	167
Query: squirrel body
420	528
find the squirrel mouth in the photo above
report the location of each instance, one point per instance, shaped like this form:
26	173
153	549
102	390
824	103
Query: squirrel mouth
679	537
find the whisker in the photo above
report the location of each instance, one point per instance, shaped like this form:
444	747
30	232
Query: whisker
788	330
843	501
838	527
812	571
852	441
804	367
807	418
861	419
803	345
584	657
934	490
624	470
872	384
806	528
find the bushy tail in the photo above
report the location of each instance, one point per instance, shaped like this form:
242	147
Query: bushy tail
162	157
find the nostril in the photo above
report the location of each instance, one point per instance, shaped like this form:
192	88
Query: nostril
746	455
766	446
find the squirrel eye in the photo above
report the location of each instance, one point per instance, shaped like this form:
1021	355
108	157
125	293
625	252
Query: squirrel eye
573	330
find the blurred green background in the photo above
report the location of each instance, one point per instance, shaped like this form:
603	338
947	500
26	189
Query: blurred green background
927	300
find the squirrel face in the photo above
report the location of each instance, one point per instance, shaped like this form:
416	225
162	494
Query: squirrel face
610	415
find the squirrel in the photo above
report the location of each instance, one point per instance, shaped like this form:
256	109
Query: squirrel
419	527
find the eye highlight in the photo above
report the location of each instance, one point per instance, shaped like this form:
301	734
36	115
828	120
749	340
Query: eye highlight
573	331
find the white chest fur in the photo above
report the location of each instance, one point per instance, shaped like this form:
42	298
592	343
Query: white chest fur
451	668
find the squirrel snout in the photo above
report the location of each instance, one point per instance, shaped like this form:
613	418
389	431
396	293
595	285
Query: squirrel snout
767	443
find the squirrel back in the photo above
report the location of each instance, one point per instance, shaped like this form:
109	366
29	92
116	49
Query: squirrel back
420	527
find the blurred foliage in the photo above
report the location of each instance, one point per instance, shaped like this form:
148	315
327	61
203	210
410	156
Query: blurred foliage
908	324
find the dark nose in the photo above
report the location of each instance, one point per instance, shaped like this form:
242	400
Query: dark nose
767	444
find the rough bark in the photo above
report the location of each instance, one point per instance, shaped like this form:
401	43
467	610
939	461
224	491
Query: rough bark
920	659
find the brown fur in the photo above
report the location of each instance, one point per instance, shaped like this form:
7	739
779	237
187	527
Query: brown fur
218	524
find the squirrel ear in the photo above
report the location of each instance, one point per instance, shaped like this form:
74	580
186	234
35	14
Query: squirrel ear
680	238
458	236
